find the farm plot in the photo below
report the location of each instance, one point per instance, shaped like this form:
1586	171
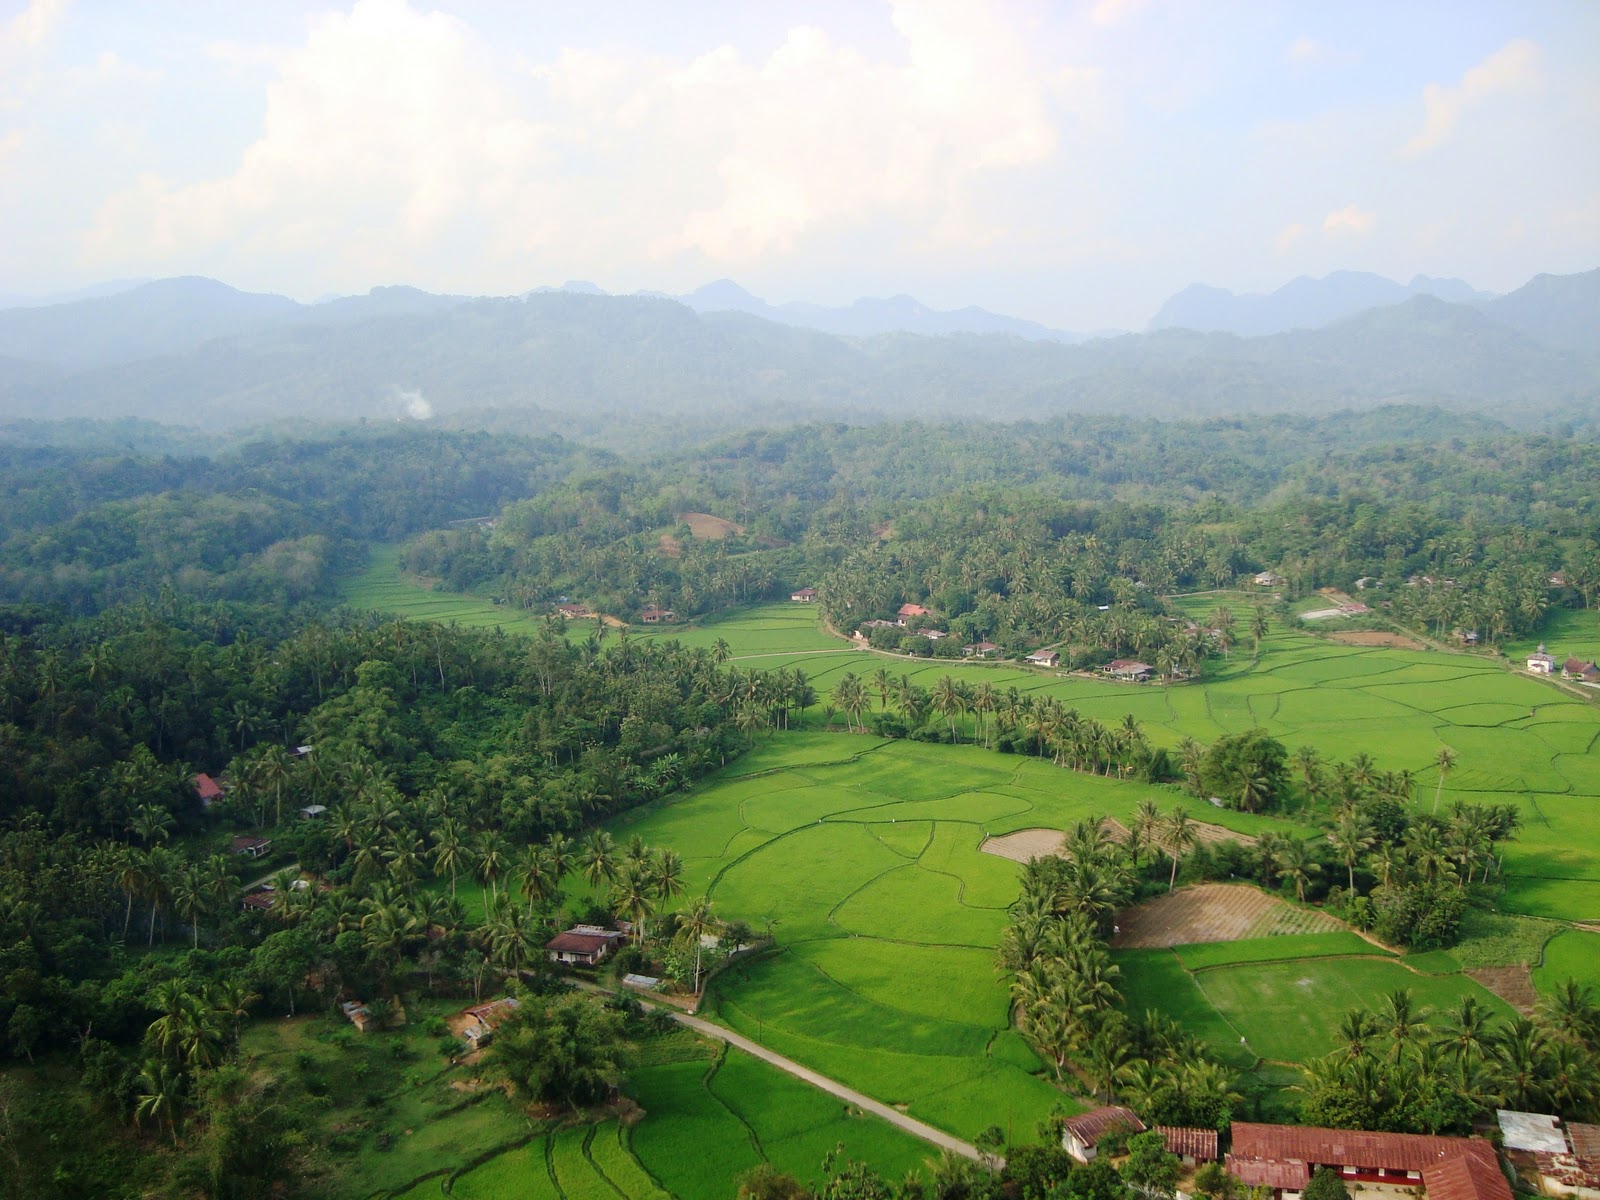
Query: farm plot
1216	912
1039	843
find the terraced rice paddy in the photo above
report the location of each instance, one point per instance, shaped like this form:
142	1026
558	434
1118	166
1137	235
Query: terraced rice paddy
385	588
861	857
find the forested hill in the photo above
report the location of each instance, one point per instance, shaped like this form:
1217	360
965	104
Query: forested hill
612	359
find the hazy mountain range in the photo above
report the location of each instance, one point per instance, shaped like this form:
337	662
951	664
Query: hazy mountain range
193	351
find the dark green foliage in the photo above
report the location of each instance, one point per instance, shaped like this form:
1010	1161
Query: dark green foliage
1247	771
569	1052
1419	915
1149	1167
1325	1185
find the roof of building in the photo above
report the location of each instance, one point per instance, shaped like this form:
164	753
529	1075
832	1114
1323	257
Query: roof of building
1585	1139
495	1011
577	943
805	591
1128	664
249	843
206	787
1044	654
981	647
1345	1147
1199	1144
1267	1172
262	900
1095	1124
1472	1176
1531	1131
1569	1169
913	610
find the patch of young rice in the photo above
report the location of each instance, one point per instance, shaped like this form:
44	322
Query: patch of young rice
688	1138
1289	1011
792	882
946	983
1573	954
906	838
520	1174
915	905
575	1175
616	1162
1286	946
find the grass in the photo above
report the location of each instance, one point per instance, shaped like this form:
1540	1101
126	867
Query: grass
1517	740
1273	949
1490	939
1573	954
1286	1012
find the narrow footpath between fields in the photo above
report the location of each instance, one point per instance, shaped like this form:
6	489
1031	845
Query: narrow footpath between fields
916	1128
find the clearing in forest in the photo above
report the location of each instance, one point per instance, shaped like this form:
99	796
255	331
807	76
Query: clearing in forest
1216	912
713	529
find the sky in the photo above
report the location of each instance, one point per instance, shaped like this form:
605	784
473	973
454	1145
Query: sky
1073	163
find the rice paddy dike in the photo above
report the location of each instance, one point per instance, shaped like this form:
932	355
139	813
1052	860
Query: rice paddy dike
861	857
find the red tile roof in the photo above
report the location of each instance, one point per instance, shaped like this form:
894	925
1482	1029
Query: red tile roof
1199	1144
241	844
1585	1139
1452	1168
913	610
1265	1172
206	787
1094	1125
1343	1147
1474	1175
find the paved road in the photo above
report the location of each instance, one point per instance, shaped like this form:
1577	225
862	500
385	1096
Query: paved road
916	1128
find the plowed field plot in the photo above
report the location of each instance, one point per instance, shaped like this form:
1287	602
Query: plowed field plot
1216	912
1037	843
1514	985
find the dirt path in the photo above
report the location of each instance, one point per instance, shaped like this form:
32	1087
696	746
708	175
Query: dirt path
916	1128
269	877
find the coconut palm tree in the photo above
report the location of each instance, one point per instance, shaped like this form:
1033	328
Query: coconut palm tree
162	1088
1178	836
634	895
694	922
1445	760
666	871
490	852
597	859
1294	863
451	854
1352	837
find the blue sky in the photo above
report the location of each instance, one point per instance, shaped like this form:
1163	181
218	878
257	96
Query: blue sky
1072	163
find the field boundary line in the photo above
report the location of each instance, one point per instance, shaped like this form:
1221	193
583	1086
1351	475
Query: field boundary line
708	1081
865	999
588	1157
910	1124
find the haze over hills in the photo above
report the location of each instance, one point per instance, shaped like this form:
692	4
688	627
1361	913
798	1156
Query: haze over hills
1302	303
198	352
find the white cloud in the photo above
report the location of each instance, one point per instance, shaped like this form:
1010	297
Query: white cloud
1349	219
1306	49
1514	65
389	139
1288	236
29	29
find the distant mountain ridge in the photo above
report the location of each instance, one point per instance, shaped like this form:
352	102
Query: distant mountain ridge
871	316
1302	303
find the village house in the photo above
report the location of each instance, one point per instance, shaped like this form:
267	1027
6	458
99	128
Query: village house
301	751
1354	609
1192	1146
573	612
312	811
806	595
582	945
260	900
1282	1158
1080	1136
869	626
1128	670
207	789
1541	663
657	616
1550	1158
980	650
1270	579
252	847
1044	658
933	635
1576	668
913	610
483	1019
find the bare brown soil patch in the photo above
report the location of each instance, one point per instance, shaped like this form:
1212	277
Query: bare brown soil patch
1375	637
1215	912
704	525
1037	843
670	547
1514	985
